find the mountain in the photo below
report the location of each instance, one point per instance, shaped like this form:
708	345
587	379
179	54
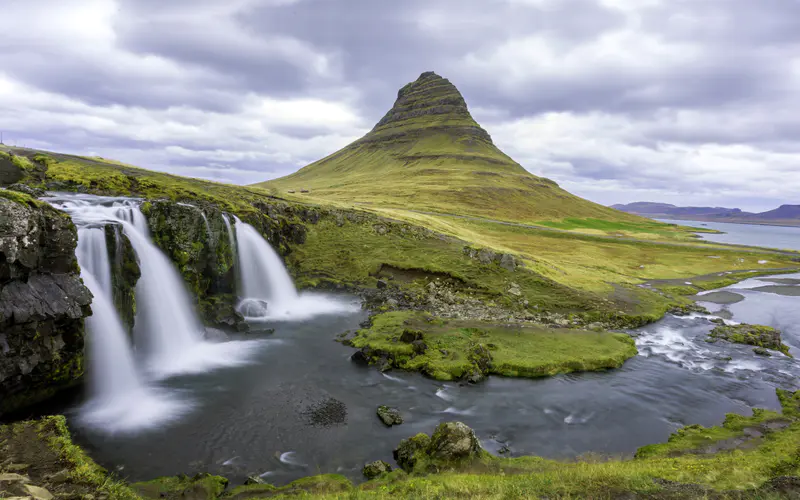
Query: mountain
783	215
648	208
428	154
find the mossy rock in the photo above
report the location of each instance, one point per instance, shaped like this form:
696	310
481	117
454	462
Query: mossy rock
198	487
755	335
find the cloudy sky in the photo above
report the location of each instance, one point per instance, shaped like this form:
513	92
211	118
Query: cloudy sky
681	101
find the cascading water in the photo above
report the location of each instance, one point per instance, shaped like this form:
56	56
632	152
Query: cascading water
119	401
266	290
264	278
93	257
167	332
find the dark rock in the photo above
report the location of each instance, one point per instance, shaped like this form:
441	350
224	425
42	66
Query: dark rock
360	358
411	450
381	284
389	416
42	304
30	191
761	351
326	413
419	347
508	262
125	273
254	480
409	336
718	321
454	441
10	173
375	469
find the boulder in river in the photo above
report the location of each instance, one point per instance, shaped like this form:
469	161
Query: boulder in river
375	469
755	335
452	446
389	416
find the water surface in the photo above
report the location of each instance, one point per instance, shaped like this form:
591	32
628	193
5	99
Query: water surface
253	420
780	237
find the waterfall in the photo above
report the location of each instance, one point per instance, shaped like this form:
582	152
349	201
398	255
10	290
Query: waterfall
262	273
209	235
110	355
93	258
165	322
167	332
266	291
119	399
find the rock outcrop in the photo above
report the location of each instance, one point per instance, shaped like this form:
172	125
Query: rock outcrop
376	469
196	239
125	272
430	98
452	445
42	302
201	250
389	416
755	335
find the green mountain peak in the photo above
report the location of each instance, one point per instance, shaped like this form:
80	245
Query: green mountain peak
427	153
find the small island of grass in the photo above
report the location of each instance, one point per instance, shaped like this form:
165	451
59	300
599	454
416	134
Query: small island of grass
453	350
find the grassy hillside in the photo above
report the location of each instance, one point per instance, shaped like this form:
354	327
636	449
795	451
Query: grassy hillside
562	271
429	154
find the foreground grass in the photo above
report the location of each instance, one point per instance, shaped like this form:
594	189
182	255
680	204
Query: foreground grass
44	449
456	349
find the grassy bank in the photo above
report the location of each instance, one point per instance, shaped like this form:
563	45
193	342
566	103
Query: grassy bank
450	350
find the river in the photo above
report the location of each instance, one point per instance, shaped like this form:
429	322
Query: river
253	420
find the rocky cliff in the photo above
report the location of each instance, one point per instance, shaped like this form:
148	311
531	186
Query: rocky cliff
42	302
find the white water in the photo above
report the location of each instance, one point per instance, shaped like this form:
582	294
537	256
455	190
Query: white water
120	401
93	258
262	272
266	289
167	332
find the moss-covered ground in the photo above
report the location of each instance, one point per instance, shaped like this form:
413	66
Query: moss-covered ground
43	451
455	349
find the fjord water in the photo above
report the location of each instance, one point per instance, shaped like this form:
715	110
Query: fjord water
780	237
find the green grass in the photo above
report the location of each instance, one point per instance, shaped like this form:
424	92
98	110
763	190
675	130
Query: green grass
563	271
514	351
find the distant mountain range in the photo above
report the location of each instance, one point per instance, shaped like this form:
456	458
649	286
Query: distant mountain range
785	215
